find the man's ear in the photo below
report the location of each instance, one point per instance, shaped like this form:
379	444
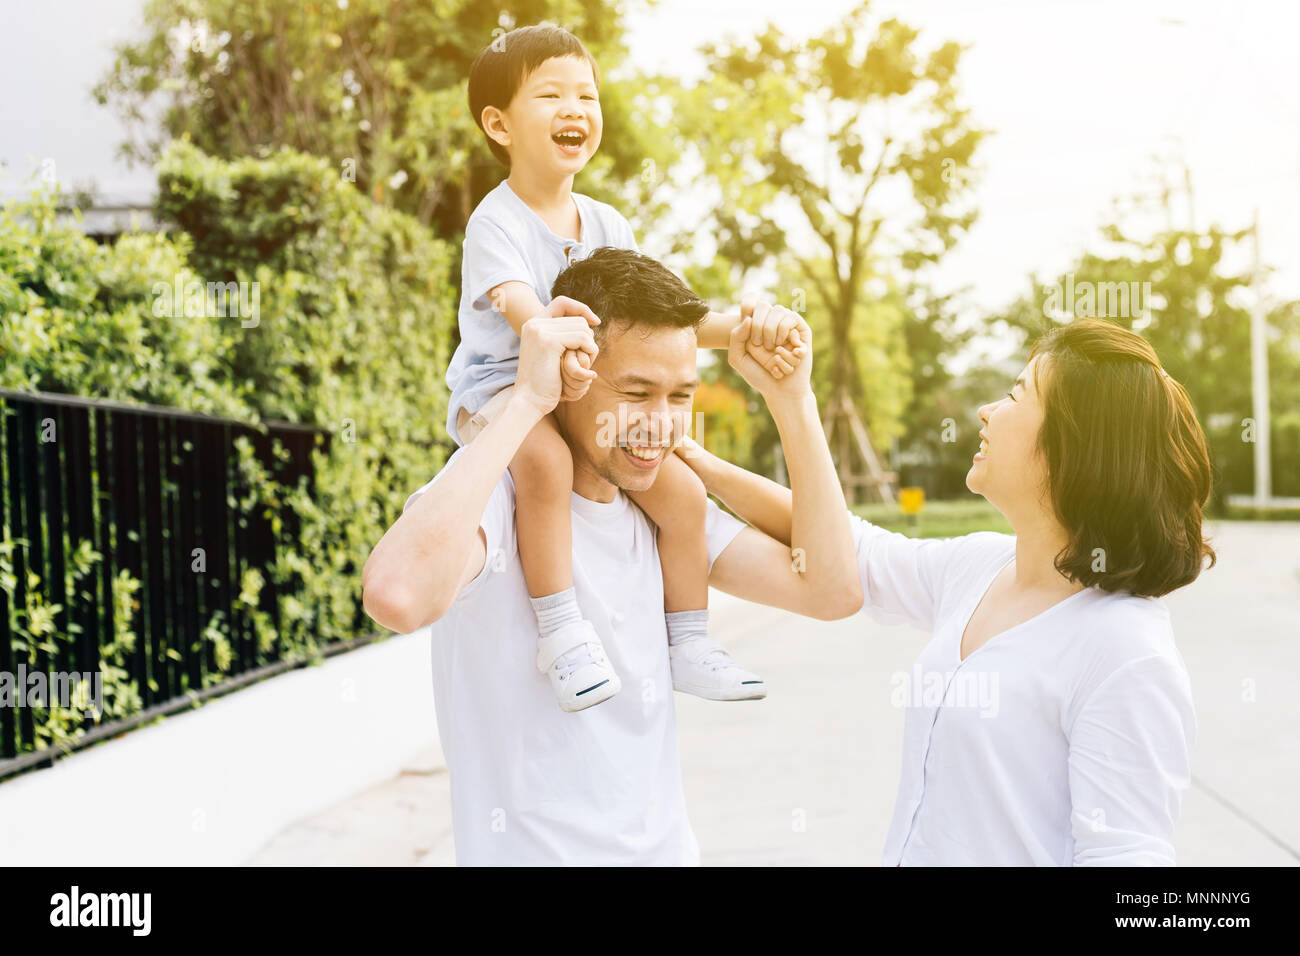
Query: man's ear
494	124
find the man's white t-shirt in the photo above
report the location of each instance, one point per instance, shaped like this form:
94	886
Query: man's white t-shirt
1064	740
530	783
504	241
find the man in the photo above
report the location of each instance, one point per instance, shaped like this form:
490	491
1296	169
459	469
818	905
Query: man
530	783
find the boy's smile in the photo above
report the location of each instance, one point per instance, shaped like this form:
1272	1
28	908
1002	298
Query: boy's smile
554	121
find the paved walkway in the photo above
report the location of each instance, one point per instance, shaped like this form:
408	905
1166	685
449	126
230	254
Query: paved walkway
808	775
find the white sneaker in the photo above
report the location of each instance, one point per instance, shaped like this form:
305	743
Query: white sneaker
581	675
701	666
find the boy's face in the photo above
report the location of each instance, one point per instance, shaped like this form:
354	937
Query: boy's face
559	97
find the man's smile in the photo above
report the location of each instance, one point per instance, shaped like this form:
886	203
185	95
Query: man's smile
643	456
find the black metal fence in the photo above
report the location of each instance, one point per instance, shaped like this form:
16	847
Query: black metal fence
154	492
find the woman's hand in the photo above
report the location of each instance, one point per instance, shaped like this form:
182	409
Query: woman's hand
702	462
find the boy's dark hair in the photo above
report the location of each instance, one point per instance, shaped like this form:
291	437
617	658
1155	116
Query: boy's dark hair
622	286
1127	463
501	68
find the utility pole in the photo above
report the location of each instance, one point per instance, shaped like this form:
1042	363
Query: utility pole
1259	381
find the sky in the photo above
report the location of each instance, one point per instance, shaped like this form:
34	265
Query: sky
51	54
1082	95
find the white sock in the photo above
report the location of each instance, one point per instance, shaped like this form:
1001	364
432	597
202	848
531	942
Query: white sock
687	625
553	612
556	610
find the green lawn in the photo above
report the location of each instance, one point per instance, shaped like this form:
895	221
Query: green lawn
939	519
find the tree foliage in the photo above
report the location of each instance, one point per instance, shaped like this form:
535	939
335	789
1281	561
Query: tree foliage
836	160
352	330
1190	295
376	87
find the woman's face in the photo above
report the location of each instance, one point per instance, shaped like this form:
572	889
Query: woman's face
1008	469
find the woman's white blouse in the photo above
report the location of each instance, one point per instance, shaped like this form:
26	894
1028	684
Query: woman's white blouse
1063	740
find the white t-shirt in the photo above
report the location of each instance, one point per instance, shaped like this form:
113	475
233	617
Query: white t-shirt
1064	740
531	784
505	240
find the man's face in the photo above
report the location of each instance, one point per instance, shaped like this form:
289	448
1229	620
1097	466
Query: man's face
636	411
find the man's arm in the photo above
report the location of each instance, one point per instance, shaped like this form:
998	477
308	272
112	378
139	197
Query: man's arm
437	545
817	574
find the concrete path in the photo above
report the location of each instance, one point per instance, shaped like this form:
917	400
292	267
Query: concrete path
808	776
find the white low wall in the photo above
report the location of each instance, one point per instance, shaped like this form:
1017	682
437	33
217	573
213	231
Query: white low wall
210	786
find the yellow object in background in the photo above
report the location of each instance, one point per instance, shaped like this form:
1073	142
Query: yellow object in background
911	501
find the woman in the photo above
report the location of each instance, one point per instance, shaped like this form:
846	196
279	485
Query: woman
1049	721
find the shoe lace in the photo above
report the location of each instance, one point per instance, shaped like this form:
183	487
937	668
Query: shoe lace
715	658
574	659
718	660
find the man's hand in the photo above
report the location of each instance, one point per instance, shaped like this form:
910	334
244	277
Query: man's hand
575	370
772	338
772	385
544	344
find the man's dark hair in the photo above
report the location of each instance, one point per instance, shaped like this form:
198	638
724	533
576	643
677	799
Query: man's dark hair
501	68
622	286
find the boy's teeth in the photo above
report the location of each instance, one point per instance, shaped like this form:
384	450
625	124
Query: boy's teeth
646	454
984	447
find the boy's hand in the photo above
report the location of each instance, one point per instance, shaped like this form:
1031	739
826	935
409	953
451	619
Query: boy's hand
769	384
575	367
544	341
576	375
773	338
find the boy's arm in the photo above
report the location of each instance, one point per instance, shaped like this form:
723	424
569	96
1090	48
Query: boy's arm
518	303
772	339
715	330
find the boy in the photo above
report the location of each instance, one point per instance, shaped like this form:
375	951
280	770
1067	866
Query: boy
534	93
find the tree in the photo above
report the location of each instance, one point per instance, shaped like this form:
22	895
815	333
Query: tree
854	140
940	422
1177	288
377	87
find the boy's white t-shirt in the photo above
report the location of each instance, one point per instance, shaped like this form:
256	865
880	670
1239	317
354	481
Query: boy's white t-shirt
505	240
531	784
1065	740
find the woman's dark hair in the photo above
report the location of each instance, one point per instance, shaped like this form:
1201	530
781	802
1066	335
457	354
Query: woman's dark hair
620	285
1127	464
499	71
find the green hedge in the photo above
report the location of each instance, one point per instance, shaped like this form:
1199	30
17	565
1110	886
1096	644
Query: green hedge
355	310
77	317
